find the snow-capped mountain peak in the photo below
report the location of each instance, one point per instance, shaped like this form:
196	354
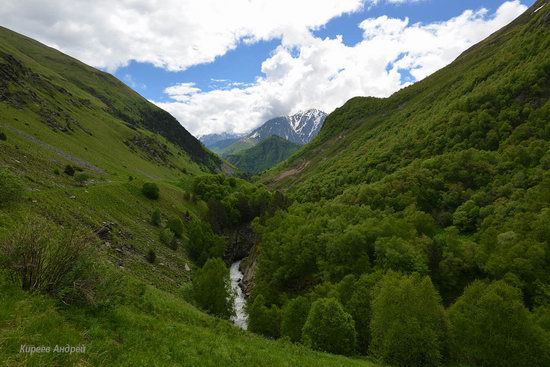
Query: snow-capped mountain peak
298	128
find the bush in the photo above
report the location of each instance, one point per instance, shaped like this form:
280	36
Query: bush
294	317
176	226
151	256
329	328
50	260
56	172
81	178
11	189
212	289
490	326
3	136
150	190
408	325
69	170
156	218
167	237
264	320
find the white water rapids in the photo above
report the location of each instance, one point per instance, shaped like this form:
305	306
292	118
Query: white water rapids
241	318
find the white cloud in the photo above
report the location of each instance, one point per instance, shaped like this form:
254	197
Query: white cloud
173	34
181	92
304	71
324	73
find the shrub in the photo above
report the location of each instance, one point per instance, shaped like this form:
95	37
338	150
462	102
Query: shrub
69	170
130	178
11	189
294	317
48	259
56	172
408	325
150	190
151	256
156	218
490	326
81	178
264	320
212	289
3	136
167	237
176	226
329	328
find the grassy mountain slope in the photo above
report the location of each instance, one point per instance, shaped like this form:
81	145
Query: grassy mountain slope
86	112
264	155
54	112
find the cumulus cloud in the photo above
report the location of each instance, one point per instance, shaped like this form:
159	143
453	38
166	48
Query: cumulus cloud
181	92
303	72
324	73
172	34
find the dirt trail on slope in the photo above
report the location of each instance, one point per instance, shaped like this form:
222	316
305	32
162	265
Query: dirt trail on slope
292	171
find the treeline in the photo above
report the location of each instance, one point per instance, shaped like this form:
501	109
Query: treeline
233	202
230	203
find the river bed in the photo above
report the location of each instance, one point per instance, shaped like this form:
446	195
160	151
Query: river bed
241	318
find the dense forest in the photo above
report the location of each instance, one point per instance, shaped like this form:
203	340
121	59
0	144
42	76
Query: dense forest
420	232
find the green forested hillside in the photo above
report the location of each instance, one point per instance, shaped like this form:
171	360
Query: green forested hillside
264	155
96	216
426	214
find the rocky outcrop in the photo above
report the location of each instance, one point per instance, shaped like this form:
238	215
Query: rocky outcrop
248	267
241	242
243	247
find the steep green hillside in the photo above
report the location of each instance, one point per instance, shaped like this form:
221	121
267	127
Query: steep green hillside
86	258
264	155
404	202
488	99
88	114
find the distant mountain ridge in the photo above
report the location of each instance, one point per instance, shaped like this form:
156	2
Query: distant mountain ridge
299	128
217	142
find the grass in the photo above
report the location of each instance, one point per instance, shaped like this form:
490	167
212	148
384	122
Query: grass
146	326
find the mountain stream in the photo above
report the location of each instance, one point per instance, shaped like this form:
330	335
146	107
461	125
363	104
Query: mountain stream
240	318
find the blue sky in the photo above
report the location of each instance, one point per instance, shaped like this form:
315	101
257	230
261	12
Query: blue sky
220	65
244	63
